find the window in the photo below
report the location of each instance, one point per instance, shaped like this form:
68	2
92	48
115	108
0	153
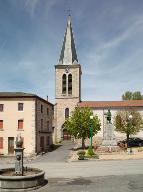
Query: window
20	124
1	107
66	113
48	125
41	124
1	124
69	84
20	106
1	142
41	108
64	81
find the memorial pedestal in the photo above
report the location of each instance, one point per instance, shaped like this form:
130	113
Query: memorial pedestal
109	137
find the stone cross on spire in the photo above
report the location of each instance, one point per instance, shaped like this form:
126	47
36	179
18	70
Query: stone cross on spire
68	53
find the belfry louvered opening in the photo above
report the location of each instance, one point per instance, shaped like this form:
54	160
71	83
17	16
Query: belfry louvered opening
64	82
70	84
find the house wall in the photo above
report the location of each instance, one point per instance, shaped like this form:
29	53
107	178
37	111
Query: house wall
46	131
31	131
10	117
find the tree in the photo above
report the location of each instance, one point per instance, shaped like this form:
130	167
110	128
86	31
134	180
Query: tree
78	124
128	95
128	122
137	96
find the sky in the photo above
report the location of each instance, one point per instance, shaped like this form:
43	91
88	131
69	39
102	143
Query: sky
108	37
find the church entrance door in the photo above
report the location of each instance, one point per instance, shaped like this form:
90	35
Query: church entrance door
66	135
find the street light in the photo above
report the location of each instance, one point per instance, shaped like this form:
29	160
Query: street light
91	118
130	117
130	124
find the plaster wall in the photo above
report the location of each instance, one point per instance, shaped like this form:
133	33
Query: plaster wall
10	117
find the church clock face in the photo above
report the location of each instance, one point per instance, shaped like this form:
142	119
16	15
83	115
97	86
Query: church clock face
67	70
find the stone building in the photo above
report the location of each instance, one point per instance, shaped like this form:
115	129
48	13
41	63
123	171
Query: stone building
68	90
28	115
68	81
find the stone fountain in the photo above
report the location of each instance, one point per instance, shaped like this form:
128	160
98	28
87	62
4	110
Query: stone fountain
20	178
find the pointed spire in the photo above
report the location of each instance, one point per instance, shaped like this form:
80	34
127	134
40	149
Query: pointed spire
68	53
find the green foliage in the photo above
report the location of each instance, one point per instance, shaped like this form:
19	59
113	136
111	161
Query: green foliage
78	124
128	95
137	95
129	126
90	151
81	153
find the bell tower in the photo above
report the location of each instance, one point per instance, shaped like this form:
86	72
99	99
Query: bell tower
67	81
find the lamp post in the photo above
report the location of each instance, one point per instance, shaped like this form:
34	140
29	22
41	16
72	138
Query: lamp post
91	118
130	124
130	120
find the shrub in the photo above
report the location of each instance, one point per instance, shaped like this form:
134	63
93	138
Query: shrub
81	153
90	151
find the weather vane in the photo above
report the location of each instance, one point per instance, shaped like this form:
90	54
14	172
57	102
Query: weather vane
69	12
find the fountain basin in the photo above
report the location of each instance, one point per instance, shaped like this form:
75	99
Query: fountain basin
32	179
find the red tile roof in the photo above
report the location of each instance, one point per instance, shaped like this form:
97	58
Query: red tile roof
21	95
102	104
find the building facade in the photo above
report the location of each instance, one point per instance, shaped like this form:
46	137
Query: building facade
27	115
68	90
67	83
100	108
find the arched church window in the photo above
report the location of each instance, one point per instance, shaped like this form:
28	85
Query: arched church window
64	81
66	113
70	84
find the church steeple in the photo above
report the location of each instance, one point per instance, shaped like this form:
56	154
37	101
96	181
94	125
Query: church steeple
68	53
67	82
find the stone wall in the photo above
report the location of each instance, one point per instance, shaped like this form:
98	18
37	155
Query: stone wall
64	101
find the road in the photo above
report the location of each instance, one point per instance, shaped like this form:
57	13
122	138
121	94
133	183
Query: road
87	176
61	154
126	183
90	168
97	176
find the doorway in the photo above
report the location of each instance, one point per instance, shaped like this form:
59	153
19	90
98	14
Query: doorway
10	145
66	135
42	143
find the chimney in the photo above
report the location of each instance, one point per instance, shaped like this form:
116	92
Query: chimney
47	97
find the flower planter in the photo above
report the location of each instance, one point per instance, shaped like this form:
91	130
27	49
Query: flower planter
81	157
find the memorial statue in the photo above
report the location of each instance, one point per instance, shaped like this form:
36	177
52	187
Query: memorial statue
108	134
108	116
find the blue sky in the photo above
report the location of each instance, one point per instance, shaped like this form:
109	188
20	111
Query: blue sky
108	37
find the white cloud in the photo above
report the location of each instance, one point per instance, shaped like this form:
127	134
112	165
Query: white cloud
127	33
30	5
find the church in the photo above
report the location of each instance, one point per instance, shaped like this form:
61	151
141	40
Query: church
68	90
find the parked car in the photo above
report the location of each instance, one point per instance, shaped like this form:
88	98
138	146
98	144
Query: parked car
133	142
